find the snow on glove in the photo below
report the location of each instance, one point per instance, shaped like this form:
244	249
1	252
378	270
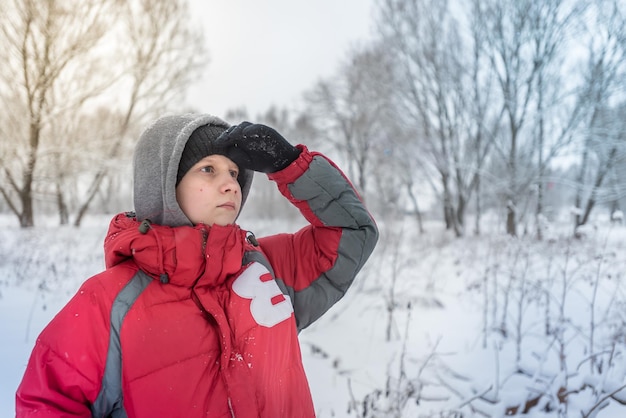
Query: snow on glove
257	147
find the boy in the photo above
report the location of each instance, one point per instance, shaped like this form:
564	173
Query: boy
193	316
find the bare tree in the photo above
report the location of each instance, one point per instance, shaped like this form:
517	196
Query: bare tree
347	108
508	29
484	125
163	55
45	42
443	91
557	111
538	101
605	147
602	123
400	171
61	64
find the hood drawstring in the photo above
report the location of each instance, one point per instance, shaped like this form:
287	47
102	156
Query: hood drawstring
144	227
252	239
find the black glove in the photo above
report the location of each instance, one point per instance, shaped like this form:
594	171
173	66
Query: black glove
257	147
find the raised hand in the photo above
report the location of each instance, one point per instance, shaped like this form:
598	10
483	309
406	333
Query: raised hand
257	147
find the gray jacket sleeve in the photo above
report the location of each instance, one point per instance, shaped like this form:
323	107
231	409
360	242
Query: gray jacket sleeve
317	264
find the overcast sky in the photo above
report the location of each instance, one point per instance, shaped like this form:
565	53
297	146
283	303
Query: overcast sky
265	52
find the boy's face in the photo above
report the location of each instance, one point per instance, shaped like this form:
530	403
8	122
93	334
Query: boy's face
209	192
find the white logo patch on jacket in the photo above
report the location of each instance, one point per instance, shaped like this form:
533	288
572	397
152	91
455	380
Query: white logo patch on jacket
268	306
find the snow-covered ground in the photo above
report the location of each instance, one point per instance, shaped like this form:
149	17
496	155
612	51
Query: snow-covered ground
433	327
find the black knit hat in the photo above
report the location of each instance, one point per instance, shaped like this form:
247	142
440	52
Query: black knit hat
199	145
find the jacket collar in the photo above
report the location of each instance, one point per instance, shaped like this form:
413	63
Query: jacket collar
183	256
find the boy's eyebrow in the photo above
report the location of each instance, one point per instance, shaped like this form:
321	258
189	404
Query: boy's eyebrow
208	158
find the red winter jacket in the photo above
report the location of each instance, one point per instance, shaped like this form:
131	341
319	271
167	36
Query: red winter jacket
196	321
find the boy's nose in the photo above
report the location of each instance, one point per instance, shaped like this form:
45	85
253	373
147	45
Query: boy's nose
229	183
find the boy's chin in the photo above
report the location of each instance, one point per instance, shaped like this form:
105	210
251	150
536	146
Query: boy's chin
223	222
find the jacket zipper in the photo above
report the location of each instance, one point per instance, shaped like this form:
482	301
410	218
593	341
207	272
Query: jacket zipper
230	406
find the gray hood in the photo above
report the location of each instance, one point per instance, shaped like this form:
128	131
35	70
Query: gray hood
155	166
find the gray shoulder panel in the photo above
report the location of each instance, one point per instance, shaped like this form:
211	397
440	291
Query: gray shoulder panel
329	195
257	256
335	203
109	402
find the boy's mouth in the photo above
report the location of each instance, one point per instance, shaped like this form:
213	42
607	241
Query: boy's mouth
227	205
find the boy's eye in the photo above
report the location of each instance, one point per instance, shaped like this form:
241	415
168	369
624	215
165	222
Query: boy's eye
234	173
207	169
